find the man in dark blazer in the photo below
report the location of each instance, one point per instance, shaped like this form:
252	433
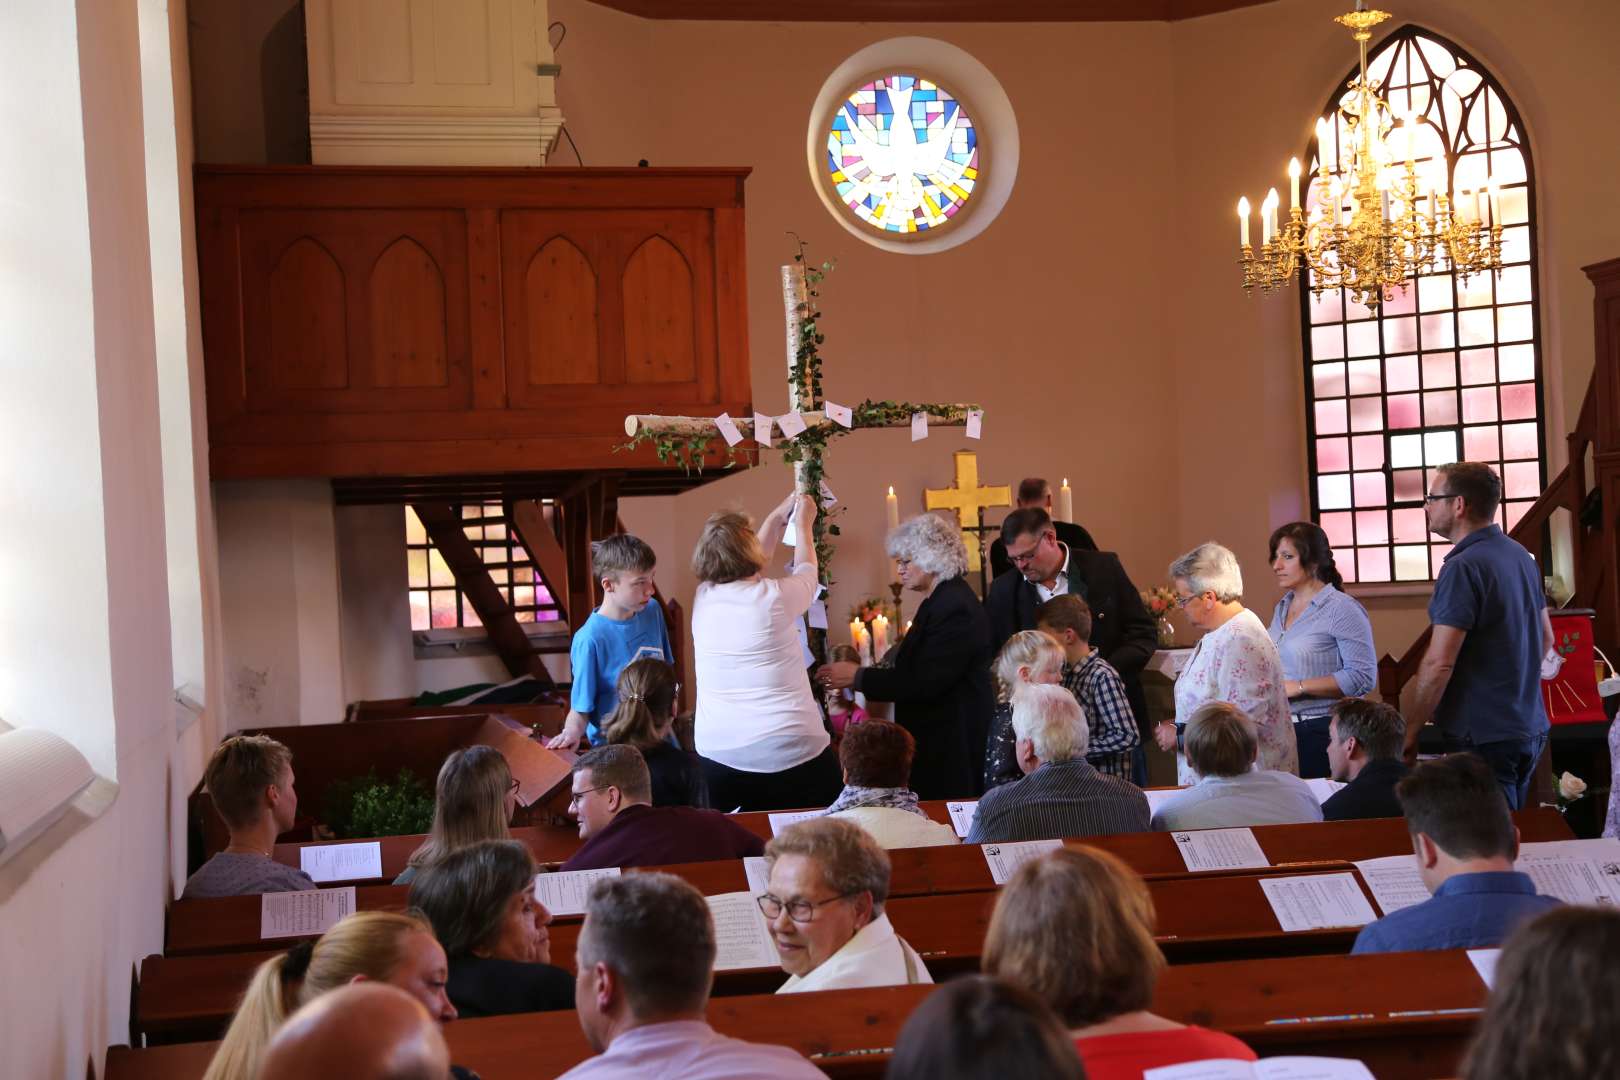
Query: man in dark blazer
1034	491
1121	628
1364	753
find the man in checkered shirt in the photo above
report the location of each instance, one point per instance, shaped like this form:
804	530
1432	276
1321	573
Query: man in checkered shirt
1095	684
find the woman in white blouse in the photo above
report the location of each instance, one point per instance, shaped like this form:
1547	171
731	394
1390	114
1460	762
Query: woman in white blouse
1235	661
758	730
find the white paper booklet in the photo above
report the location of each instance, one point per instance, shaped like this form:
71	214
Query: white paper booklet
1575	871
742	940
758	879
1317	901
1484	961
1277	1068
341	862
1158	796
1394	881
303	914
962	816
1323	788
564	891
782	821
1004	859
1219	849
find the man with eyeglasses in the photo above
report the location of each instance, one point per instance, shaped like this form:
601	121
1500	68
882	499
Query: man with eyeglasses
1480	680
612	801
1036	491
824	905
1122	631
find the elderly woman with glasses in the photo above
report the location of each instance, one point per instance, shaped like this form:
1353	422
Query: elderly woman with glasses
1235	661
824	905
940	681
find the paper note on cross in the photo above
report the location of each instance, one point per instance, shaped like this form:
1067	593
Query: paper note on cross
967	498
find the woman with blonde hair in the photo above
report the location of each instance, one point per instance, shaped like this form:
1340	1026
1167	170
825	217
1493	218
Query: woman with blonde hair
385	946
1075	928
1029	657
474	800
644	719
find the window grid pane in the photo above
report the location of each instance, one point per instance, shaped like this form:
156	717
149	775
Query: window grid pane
1447	370
435	602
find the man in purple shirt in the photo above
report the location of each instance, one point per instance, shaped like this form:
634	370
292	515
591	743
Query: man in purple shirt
621	827
1465	844
646	957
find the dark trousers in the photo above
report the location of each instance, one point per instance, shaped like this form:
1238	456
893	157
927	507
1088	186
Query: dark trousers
815	783
1513	762
1311	737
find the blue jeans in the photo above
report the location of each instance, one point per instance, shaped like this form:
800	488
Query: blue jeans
1513	762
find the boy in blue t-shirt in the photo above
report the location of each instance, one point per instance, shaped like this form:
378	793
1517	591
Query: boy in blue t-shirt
628	626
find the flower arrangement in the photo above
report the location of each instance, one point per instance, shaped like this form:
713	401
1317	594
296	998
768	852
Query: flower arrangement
868	610
1571	789
1160	601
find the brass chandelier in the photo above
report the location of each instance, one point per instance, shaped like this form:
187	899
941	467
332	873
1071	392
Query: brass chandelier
1396	227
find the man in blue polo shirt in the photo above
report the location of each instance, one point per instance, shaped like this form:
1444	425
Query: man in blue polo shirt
1480	680
1465	845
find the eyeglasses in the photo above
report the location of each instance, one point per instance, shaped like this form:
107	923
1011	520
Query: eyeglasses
1442	495
1183	601
574	797
514	785
800	911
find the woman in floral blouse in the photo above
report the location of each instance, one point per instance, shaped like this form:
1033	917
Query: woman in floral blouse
1235	661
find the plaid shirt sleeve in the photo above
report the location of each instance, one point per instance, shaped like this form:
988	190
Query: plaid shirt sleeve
1101	693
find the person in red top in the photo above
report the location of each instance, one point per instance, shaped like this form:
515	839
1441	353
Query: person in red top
1075	928
612	801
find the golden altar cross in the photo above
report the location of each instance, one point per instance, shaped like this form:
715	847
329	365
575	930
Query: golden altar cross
967	498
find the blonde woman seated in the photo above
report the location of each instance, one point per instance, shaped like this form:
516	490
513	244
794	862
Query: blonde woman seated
1029	657
1231	793
1235	661
876	756
473	801
644	719
384	946
1075	928
824	905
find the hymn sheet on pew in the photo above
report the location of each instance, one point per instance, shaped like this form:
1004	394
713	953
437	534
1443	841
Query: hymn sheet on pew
1276	1068
782	821
1394	881
564	891
1005	859
759	879
1317	901
1220	849
1575	871
962	816
303	914
341	862
741	938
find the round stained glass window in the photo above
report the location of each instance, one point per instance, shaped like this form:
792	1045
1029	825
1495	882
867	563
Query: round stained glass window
903	155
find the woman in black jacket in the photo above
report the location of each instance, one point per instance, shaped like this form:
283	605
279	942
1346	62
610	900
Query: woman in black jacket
940	681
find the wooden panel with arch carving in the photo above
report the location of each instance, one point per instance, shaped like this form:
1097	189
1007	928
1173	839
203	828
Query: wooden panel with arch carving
409	335
308	341
560	313
660	331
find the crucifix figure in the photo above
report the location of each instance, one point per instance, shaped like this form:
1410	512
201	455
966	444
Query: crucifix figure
967	498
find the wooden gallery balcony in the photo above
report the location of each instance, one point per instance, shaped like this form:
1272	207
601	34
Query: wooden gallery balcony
431	322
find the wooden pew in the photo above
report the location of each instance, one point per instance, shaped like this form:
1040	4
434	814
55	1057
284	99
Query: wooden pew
1407	1015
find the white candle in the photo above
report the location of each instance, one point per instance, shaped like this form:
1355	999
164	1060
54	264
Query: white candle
1267	219
1496	201
1465	202
892	505
1065	502
1325	149
1336	193
1409	125
855	632
1479	205
1293	183
880	636
1243	221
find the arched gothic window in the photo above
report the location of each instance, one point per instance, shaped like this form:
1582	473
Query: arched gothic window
1446	370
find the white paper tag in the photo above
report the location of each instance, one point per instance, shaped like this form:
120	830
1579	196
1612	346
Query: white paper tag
728	429
1004	859
341	862
762	429
828	499
564	891
782	821
792	424
1220	849
962	816
1317	901
790	533
975	421
839	414
818	615
919	426
303	914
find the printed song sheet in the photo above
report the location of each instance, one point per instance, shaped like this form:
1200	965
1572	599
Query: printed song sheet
1394	881
741	937
962	816
1158	796
1323	788
758	879
1277	1068
1220	849
341	862
782	821
1317	901
1004	859
303	914
1575	871
564	891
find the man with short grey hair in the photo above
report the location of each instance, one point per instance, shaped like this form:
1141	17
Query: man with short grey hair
612	801
646	958
1061	793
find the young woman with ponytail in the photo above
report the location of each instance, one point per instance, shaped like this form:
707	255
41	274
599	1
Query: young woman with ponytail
1323	636
398	949
473	801
643	719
